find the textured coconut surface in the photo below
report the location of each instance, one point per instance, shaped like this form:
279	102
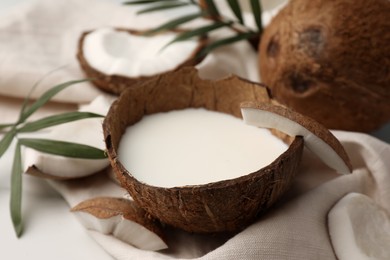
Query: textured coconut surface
228	205
122	218
117	83
329	59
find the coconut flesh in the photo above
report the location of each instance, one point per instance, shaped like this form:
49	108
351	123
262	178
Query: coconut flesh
359	228
85	132
116	58
218	147
121	53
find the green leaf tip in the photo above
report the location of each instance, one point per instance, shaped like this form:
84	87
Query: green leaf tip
16	192
49	94
236	9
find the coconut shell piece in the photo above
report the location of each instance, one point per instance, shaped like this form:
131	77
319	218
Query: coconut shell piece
115	84
359	228
228	205
124	219
329	60
33	170
317	138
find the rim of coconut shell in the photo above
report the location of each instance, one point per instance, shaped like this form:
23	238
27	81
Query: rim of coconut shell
195	92
115	84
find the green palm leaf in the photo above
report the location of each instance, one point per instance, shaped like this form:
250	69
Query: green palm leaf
176	22
212	8
62	148
197	32
256	10
27	99
28	111
6	141
235	7
144	2
3	126
56	120
16	192
162	6
225	41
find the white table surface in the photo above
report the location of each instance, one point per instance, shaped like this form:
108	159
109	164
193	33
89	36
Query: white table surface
51	231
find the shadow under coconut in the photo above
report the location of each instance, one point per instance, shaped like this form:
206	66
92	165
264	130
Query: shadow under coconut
383	133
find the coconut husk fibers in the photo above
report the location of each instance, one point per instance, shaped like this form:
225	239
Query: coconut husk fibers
115	84
228	205
330	60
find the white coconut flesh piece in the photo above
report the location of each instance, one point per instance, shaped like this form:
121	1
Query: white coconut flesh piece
194	147
317	138
122	219
86	131
114	52
359	229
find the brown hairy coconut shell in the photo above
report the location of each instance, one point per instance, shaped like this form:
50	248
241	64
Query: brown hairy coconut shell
330	60
115	84
228	205
119	217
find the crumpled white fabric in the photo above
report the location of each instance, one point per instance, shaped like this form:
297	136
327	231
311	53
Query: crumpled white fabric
39	37
296	228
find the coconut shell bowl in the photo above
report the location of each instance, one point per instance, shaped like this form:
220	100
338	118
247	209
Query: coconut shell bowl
222	206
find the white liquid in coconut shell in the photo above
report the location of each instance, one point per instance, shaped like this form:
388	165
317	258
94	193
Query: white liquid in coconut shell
195	146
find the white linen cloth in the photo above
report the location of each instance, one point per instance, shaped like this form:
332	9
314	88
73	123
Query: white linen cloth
294	229
42	36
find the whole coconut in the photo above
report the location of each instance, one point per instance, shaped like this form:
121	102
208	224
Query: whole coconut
330	60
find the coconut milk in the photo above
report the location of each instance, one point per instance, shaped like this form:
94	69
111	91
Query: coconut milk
195	146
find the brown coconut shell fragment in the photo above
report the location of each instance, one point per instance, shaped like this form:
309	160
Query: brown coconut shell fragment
115	84
228	205
107	208
330	60
317	138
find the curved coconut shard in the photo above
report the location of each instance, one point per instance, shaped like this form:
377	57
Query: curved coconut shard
317	138
228	205
117	58
123	219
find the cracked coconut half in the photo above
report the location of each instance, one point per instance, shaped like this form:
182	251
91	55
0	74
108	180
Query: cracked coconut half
227	203
117	58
